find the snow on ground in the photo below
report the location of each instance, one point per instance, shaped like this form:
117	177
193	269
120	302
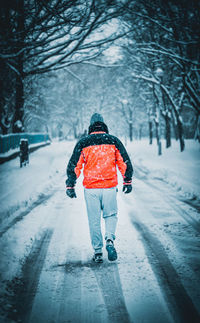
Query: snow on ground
180	169
48	246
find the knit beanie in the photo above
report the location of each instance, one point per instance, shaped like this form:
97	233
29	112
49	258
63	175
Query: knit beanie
95	118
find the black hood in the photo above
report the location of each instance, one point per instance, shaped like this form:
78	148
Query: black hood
98	126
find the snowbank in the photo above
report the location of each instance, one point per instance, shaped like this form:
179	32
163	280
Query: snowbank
179	169
20	187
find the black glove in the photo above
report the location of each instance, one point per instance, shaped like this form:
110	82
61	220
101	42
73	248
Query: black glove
71	193
127	188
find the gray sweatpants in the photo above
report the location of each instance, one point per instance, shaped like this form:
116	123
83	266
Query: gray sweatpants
105	200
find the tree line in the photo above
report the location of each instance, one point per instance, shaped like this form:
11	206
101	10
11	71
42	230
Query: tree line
163	51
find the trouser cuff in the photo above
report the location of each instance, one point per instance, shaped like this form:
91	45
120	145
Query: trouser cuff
97	251
110	237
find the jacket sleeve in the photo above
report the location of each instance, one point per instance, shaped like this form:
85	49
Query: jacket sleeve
74	166
123	162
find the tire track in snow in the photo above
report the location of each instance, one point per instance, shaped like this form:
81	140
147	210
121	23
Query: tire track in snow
184	214
22	290
179	302
171	201
42	198
193	202
71	281
109	284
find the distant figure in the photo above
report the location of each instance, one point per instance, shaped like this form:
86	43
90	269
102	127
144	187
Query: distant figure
100	153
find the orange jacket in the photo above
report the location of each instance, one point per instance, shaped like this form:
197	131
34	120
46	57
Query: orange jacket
101	154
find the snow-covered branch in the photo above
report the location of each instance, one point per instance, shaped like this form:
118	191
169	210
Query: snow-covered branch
167	53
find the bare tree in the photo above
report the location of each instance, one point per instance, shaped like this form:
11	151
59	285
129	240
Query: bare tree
39	36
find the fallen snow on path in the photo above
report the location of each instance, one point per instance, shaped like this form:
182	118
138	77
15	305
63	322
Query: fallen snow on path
154	254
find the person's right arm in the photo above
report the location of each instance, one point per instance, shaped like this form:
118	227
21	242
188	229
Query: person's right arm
73	170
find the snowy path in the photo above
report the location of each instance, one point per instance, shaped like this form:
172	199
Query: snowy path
48	275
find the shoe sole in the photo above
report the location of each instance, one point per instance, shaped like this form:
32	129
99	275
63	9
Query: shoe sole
99	260
112	253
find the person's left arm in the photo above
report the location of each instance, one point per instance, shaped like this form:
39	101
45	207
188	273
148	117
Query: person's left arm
125	166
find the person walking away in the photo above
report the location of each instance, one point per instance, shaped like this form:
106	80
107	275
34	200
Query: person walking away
101	154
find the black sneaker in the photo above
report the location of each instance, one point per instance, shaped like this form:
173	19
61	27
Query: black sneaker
98	257
112	253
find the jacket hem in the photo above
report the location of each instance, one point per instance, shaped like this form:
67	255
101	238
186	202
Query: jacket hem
96	186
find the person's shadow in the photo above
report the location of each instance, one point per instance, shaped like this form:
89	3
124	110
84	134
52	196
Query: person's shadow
108	280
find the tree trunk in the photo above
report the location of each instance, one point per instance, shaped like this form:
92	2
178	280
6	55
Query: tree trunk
157	120
75	131
130	131
159	148
197	129
150	132
140	132
167	116
174	123
19	100
158	137
131	126
19	106
150	129
181	136
178	128
167	130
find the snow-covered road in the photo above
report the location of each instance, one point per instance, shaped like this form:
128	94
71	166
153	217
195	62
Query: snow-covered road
46	270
